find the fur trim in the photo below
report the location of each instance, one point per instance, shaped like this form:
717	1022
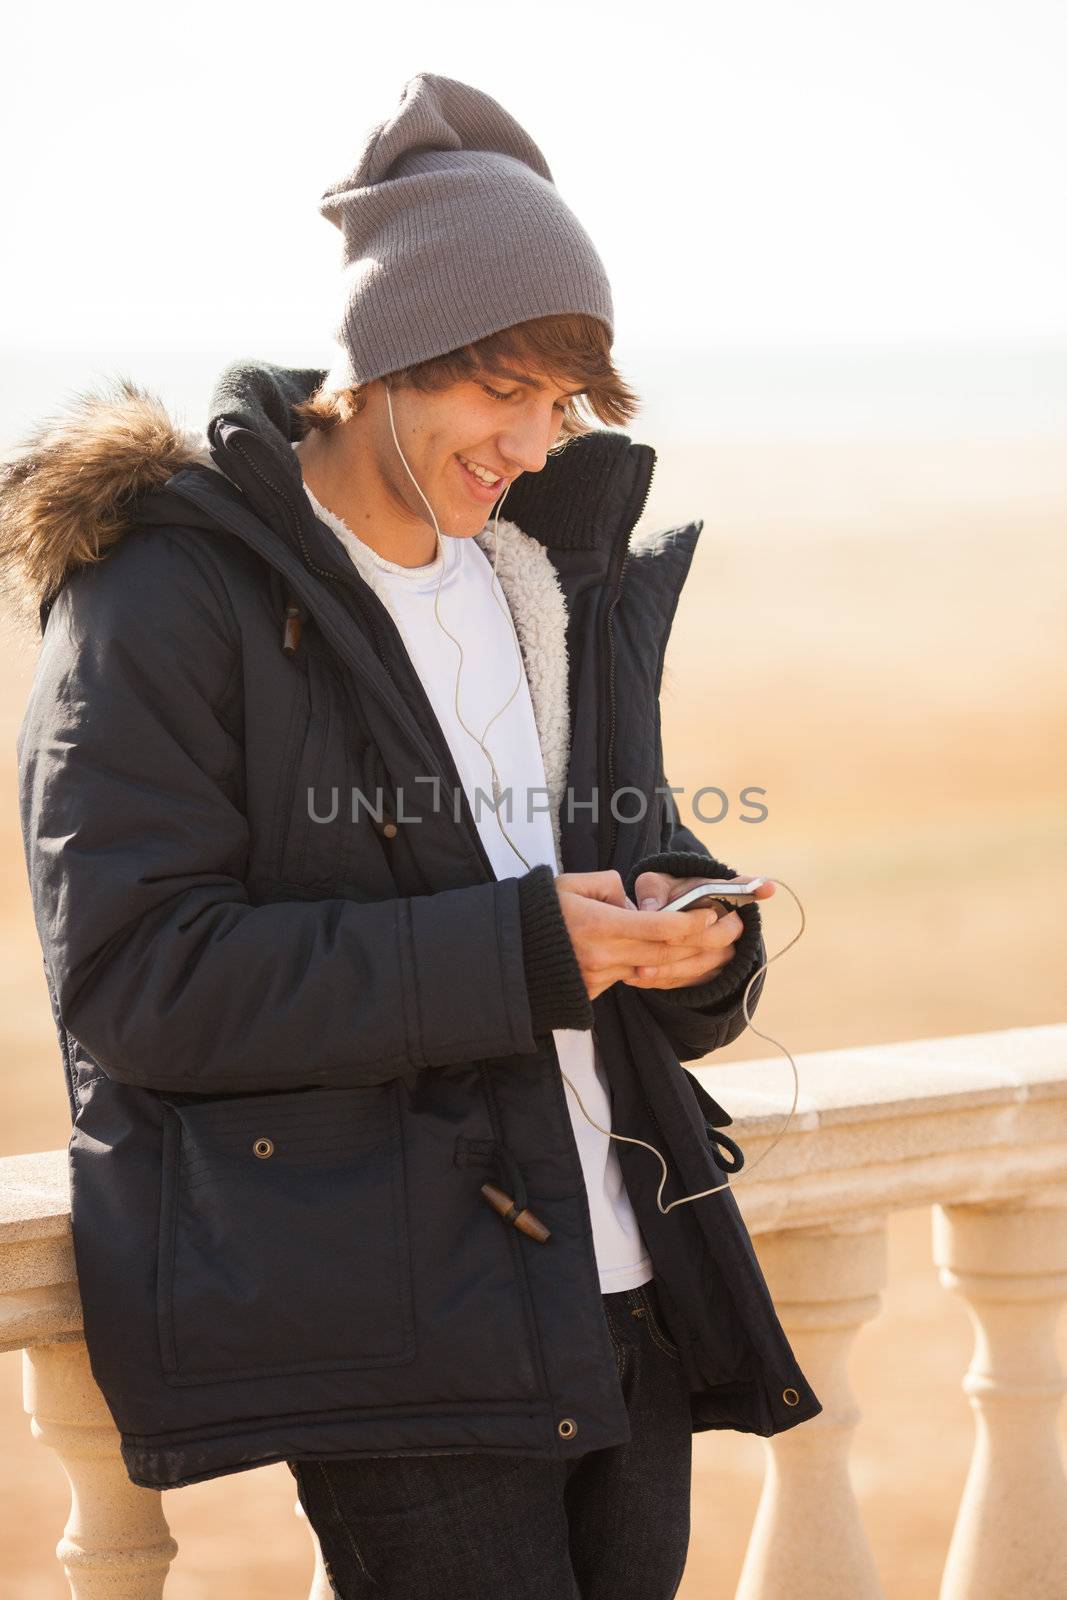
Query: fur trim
65	495
539	610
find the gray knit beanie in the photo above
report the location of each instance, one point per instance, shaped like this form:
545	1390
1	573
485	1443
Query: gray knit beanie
453	229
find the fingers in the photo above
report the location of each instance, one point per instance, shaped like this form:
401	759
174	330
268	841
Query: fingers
698	969
679	964
764	891
669	927
606	886
693	935
654	886
703	928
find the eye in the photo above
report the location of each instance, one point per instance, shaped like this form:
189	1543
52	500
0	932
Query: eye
497	394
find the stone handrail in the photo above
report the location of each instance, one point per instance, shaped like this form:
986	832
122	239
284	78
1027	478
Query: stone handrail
974	1126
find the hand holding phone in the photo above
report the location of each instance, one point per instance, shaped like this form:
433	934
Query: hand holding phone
706	935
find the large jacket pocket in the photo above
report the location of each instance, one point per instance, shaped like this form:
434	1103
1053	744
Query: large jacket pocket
283	1240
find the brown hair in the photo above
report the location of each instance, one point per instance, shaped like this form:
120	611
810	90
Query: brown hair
573	347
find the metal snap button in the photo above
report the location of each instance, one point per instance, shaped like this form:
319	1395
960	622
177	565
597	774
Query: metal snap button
263	1148
567	1428
790	1397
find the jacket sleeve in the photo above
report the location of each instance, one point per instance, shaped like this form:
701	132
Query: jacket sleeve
137	848
701	1017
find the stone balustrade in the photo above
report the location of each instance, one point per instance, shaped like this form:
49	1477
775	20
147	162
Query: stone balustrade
974	1126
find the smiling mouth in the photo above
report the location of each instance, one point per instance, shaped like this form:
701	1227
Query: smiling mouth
477	482
479	477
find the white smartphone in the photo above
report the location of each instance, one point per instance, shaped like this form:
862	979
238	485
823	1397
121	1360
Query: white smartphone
739	892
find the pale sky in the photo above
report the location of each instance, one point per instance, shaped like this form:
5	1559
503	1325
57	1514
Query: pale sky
776	172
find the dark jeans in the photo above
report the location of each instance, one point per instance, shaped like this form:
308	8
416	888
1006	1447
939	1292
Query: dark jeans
610	1525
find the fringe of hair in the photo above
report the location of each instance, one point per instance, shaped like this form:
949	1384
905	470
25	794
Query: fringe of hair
571	347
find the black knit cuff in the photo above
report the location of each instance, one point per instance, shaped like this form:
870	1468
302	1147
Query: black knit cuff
678	864
554	983
725	987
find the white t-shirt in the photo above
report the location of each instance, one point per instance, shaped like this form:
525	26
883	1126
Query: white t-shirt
492	663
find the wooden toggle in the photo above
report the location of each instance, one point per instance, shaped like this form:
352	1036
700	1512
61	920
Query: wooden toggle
524	1220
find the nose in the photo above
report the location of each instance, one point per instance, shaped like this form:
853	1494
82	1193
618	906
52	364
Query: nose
524	444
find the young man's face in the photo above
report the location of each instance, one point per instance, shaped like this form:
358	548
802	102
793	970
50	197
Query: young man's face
504	425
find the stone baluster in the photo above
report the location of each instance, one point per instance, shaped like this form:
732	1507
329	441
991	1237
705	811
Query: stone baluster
808	1542
321	1587
1009	1263
116	1544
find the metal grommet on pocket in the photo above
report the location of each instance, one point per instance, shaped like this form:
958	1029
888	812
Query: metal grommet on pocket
790	1397
567	1428
263	1148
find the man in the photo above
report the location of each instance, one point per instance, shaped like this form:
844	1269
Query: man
343	1043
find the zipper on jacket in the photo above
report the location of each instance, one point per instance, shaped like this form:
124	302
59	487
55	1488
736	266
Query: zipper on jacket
620	561
365	601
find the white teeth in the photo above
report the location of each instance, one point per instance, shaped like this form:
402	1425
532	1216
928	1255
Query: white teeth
479	472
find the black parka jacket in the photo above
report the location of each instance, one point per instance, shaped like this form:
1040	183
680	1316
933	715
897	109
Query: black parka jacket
296	1046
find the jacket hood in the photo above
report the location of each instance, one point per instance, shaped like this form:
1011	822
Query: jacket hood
82	478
